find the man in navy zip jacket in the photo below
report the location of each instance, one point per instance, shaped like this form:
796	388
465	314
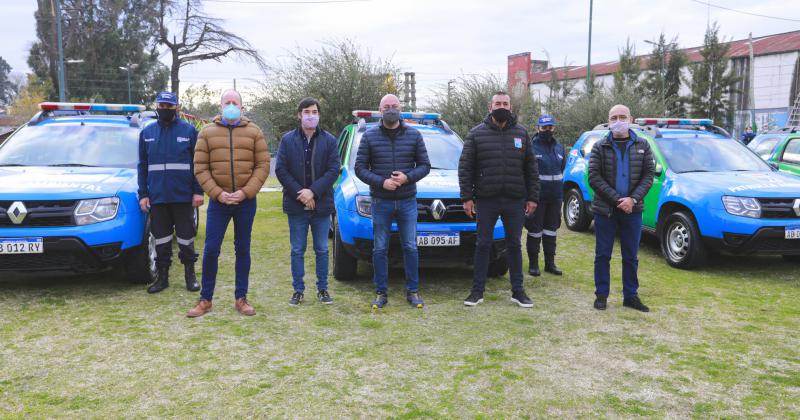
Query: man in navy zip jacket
168	188
391	159
543	225
307	165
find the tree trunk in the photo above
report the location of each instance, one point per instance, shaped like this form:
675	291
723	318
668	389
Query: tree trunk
175	72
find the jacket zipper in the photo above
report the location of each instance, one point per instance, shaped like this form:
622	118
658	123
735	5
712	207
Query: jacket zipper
230	143
394	165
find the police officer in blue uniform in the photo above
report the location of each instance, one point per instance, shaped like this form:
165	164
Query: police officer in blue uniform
168	188
543	225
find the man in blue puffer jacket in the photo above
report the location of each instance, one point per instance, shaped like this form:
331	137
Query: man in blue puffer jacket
307	165
391	159
543	225
168	188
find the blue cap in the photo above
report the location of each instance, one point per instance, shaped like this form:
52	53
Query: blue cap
167	98
546	120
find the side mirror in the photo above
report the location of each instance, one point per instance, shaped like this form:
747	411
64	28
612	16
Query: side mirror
659	170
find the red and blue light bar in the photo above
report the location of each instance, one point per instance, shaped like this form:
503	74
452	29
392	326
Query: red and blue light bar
673	121
72	106
403	115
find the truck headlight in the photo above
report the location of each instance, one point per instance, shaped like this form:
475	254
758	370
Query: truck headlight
96	210
364	205
742	206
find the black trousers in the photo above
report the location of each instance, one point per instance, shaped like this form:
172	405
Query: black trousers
166	219
543	226
512	212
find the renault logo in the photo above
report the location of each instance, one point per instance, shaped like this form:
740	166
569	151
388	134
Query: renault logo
796	207
17	212
438	210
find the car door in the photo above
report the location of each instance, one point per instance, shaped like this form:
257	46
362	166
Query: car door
651	199
789	158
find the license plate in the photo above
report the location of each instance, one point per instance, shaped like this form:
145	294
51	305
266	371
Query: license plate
438	239
792	232
21	246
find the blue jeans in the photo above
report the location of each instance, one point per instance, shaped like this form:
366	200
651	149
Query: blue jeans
629	227
404	212
298	238
218	216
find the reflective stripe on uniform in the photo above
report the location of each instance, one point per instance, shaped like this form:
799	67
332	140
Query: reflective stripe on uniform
164	240
187	242
169	167
535	234
549	232
558	177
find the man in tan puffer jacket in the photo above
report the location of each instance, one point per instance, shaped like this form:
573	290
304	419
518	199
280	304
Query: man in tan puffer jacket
231	163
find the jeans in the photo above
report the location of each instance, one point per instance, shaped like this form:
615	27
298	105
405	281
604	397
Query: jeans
629	227
512	211
298	238
218	216
404	212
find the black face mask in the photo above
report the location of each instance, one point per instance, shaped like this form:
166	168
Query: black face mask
501	115
166	115
546	135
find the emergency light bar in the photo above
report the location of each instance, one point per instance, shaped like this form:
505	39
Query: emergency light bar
673	121
70	106
403	115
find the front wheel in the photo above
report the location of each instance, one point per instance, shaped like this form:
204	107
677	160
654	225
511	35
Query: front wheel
498	267
792	258
576	215
680	241
140	263
344	264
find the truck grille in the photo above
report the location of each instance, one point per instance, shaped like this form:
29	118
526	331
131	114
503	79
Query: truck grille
451	210
41	213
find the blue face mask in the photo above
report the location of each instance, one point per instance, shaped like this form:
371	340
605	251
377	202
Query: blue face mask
231	112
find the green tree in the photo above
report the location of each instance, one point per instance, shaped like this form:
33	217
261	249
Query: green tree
30	95
7	88
663	77
627	75
339	74
467	104
712	82
105	35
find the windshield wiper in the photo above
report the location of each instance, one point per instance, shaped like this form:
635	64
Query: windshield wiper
73	164
12	164
694	170
436	167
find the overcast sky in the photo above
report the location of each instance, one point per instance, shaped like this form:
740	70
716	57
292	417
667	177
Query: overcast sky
442	39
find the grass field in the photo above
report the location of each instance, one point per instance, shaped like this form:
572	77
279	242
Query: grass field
720	342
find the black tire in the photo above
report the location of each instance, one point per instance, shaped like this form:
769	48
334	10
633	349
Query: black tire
792	258
140	263
576	216
681	243
344	264
498	267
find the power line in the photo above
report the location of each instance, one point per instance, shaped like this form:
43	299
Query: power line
743	12
285	2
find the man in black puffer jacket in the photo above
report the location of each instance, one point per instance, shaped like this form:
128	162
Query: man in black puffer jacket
498	177
391	159
621	169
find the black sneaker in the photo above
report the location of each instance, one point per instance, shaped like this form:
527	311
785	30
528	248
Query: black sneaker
414	299
634	303
380	301
297	297
474	299
520	298
601	303
324	297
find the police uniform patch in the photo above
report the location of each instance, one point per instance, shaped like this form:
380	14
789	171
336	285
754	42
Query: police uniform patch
518	142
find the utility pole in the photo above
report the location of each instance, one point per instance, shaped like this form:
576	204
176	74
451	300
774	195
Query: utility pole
589	55
61	82
450	84
128	68
413	84
751	103
234	85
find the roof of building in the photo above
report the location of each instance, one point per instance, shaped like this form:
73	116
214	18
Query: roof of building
765	45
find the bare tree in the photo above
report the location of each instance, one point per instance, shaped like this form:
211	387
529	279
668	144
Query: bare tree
199	37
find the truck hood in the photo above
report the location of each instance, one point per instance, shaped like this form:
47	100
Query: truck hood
41	183
743	184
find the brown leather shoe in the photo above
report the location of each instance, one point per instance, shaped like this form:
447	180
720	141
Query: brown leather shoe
244	308
203	307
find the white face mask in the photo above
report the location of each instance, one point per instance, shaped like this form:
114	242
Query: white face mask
620	128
